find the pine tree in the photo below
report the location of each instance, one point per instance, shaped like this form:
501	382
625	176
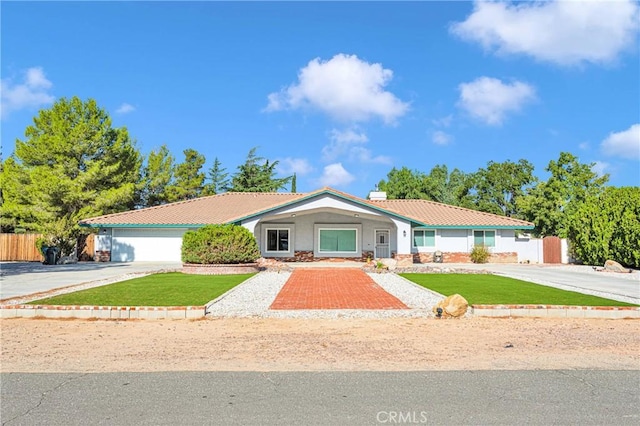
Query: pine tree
257	175
72	165
218	179
188	179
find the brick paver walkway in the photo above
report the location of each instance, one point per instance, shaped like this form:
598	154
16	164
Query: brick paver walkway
333	288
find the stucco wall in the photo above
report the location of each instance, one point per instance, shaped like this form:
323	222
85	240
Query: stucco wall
456	244
304	234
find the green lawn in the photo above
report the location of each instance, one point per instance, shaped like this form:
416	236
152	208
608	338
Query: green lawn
483	289
169	289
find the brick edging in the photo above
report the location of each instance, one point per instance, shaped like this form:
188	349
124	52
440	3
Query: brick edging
101	312
220	269
556	311
195	312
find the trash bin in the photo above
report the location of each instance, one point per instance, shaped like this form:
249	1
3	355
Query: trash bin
52	256
437	257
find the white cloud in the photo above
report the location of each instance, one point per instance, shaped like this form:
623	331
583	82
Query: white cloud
348	144
336	175
344	87
561	32
489	99
364	155
299	166
341	142
600	168
348	136
441	138
625	144
585	146
125	108
32	92
35	79
444	121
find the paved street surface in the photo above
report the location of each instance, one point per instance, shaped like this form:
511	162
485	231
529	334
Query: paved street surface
328	398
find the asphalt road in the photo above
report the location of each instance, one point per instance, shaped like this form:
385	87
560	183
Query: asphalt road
329	398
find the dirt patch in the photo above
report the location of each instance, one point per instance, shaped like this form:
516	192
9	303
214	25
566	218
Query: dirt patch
36	345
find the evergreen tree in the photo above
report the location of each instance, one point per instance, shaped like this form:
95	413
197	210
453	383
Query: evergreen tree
549	204
606	226
257	175
218	178
71	165
157	177
188	179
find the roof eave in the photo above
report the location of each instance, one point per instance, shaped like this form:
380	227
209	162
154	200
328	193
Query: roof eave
312	195
516	227
142	225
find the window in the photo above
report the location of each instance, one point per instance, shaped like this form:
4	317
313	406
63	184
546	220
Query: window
424	238
338	240
277	240
484	238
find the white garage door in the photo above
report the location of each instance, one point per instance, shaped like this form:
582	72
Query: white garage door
140	244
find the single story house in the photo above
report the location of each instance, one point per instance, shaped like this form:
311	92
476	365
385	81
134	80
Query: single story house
313	226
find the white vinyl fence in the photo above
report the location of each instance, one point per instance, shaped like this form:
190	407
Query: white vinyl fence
530	250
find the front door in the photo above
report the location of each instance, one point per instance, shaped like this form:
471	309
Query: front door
382	244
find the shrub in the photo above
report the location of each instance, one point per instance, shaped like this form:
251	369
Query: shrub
219	244
607	226
41	244
480	254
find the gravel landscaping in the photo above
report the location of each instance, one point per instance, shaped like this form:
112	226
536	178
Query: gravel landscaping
253	298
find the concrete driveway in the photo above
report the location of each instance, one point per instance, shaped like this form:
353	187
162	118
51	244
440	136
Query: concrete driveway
580	278
24	278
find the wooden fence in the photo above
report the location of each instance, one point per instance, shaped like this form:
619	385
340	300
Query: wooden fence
22	247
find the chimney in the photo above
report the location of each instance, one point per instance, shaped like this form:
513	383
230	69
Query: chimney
377	195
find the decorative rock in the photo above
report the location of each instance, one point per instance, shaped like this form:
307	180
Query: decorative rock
613	266
390	264
453	306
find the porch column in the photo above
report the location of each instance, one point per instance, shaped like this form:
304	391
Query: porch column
403	242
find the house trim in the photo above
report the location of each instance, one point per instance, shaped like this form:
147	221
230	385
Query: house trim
478	227
381	210
145	225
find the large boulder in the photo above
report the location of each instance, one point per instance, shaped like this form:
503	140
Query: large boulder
389	263
613	266
453	306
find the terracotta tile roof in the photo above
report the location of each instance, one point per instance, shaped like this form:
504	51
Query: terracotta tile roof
233	206
221	208
437	214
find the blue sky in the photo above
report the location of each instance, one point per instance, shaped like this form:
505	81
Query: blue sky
340	93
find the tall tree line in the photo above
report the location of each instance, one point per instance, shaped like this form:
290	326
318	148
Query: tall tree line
574	202
73	164
507	188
